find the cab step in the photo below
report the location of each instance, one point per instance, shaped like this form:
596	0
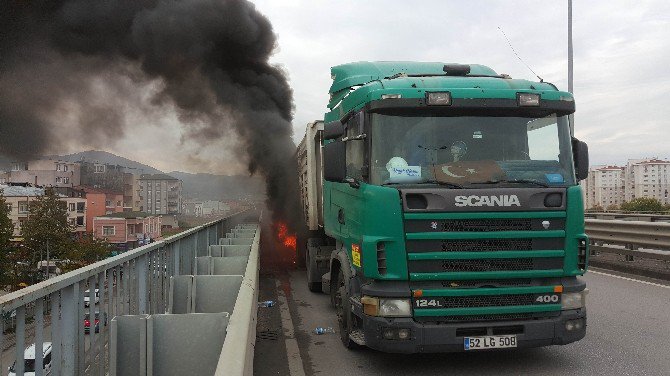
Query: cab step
358	336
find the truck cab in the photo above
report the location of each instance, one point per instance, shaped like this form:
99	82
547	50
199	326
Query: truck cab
444	209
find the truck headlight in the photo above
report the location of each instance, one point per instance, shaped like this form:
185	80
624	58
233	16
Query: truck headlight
573	300
385	307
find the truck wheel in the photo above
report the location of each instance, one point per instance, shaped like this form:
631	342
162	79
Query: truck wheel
313	286
343	308
301	251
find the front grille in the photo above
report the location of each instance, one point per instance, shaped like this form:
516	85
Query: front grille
487	282
487	265
499	317
486	225
486	245
488	300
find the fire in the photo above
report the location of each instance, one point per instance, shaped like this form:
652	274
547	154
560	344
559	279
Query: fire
289	241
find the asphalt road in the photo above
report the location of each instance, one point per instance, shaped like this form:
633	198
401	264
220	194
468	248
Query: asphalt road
628	334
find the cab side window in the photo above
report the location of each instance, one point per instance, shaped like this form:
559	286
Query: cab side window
355	148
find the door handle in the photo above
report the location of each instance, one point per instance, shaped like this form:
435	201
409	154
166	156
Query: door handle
340	216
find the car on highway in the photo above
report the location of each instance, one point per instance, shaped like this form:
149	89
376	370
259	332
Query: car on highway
87	321
87	297
29	362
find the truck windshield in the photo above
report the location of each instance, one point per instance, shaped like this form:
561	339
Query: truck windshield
468	150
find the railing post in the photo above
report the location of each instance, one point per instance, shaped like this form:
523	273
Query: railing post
176	258
69	315
630	257
142	270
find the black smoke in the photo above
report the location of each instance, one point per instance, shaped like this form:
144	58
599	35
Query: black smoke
207	58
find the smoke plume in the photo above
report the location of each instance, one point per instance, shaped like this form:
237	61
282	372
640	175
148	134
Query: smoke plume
80	62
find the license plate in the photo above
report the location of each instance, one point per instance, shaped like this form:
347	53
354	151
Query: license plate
489	342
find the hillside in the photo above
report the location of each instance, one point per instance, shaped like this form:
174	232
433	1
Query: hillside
107	158
219	187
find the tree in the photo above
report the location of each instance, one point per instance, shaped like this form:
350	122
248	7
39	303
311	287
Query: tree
6	232
86	250
643	204
47	225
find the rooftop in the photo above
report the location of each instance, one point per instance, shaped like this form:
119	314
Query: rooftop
14	191
128	215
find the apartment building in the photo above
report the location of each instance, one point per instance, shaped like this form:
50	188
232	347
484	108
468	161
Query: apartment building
18	200
46	173
112	178
160	194
604	187
648	178
609	186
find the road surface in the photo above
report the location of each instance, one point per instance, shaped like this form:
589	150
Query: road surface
628	334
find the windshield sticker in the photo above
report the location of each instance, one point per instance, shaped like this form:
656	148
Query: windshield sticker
477	134
554	178
407	174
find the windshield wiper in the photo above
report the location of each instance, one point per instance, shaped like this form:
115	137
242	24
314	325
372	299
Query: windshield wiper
518	181
450	185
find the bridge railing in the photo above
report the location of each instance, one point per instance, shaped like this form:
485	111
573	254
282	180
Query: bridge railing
625	237
72	312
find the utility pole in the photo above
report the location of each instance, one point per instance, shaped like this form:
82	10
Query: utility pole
570	78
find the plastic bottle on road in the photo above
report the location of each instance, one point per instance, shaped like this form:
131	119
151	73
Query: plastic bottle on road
267	303
321	330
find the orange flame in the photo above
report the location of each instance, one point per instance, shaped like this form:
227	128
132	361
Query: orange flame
289	241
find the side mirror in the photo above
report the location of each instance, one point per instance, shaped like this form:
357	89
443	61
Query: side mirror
333	130
335	161
580	155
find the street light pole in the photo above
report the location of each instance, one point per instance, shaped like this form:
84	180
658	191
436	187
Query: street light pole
570	77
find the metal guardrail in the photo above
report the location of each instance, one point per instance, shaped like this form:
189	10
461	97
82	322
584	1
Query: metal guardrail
629	216
631	235
132	283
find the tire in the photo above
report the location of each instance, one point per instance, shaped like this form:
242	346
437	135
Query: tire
301	251
313	286
343	308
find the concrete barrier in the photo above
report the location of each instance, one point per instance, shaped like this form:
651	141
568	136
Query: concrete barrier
128	353
185	344
232	265
237	355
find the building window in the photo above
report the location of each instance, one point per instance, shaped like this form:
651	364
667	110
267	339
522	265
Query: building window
108	202
23	207
9	206
99	169
66	180
59	167
108	230
81	207
59	180
118	203
65	168
72	207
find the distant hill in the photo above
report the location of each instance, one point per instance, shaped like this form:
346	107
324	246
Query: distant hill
107	158
220	187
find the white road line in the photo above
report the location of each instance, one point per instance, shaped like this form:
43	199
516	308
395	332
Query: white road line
631	279
292	351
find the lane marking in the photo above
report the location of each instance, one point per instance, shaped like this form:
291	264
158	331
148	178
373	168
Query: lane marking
631	279
292	350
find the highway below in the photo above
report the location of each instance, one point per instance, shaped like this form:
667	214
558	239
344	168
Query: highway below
628	334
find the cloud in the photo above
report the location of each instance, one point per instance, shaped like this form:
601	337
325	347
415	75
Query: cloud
621	52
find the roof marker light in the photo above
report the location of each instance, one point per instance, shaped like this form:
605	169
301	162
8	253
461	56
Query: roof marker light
528	99
391	96
438	99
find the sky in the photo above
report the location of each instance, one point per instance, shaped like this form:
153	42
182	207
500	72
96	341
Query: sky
621	59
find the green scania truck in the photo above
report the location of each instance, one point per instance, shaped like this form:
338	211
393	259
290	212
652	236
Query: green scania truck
444	210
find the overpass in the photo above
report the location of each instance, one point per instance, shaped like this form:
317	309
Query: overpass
188	305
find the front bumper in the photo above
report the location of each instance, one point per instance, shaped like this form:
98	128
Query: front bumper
430	338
